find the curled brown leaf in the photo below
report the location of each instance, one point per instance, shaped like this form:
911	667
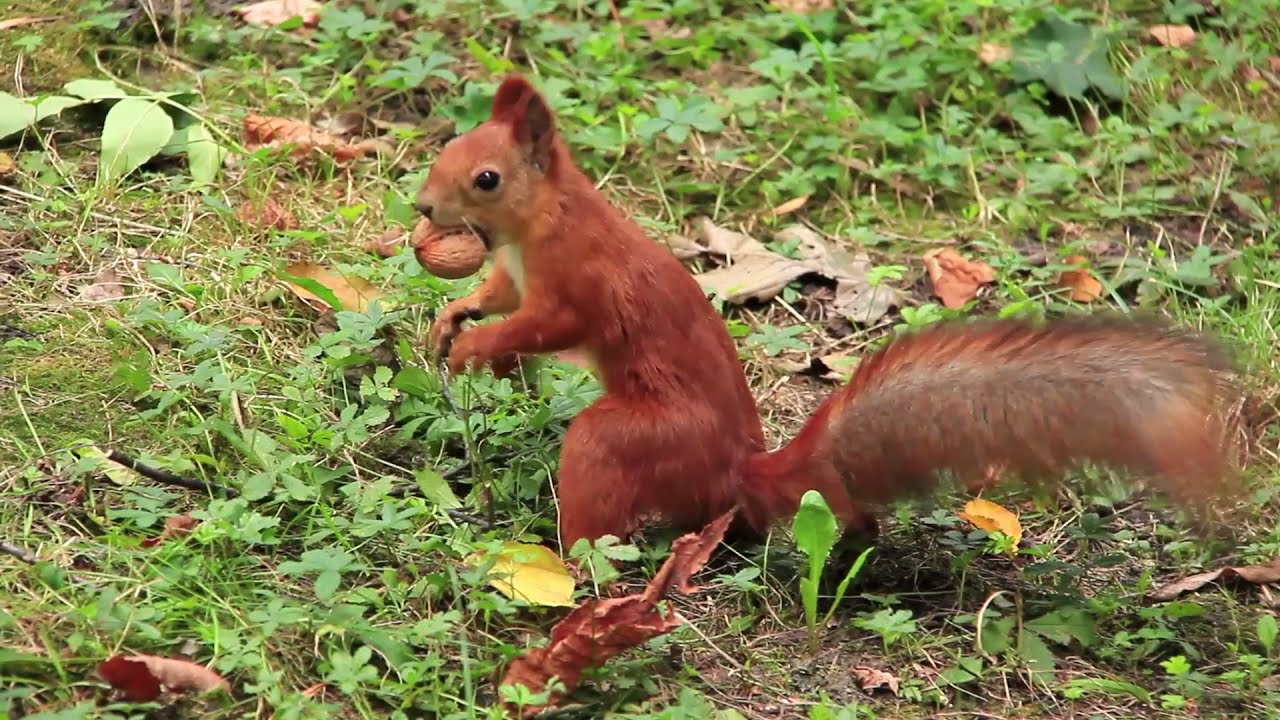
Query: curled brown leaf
1255	574
268	131
1084	287
266	213
956	280
141	677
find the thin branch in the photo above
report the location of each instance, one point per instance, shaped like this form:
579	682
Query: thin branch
167	478
9	548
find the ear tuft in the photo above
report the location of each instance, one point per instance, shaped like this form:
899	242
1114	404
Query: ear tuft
512	90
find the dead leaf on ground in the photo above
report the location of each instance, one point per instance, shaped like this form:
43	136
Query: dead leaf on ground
870	678
387	244
174	527
839	366
1085	288
106	287
802	6
1254	574
25	21
757	273
141	677
266	214
351	291
991	53
532	573
1273	62
8	167
271	13
601	629
955	279
991	517
789	206
267	131
1172	35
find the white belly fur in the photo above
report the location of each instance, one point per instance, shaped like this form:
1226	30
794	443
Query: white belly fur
513	262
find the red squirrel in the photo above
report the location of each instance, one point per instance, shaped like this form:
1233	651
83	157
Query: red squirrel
676	435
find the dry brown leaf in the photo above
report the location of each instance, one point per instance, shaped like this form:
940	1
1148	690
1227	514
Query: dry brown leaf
8	167
387	244
1172	35
268	131
789	206
956	280
601	629
991	53
1255	574
266	214
141	677
106	286
757	273
25	21
354	292
1273	62
802	6
270	13
174	527
870	678
1085	288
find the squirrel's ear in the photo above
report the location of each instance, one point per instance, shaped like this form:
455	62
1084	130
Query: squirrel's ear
535	129
510	93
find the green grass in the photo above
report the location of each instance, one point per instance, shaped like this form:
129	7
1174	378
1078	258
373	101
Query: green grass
318	594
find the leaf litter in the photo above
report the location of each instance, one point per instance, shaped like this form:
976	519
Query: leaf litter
273	13
277	132
956	280
142	677
601	629
755	272
532	573
1255	574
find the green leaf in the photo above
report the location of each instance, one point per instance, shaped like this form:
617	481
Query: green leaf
1063	626
134	132
1267	632
436	489
204	154
815	527
844	584
1036	656
1067	57
15	114
114	471
416	382
54	105
91	89
327	584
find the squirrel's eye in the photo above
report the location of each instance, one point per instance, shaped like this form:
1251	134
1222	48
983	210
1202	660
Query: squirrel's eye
487	180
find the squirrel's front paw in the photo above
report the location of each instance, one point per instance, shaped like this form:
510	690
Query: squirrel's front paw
448	325
470	350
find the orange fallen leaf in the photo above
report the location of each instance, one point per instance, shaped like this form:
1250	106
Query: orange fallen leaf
1172	35
870	678
1256	574
601	629
1084	286
789	206
174	527
268	131
802	6
141	677
1273	62
991	53
266	214
352	292
991	517
956	280
270	13
25	21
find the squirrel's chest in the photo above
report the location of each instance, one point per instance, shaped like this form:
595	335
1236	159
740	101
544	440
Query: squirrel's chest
511	256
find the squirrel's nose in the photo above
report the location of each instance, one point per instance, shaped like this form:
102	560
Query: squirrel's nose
425	207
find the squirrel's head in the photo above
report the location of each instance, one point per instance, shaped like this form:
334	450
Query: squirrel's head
489	178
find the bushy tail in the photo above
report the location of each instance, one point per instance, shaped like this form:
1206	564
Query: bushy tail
1031	399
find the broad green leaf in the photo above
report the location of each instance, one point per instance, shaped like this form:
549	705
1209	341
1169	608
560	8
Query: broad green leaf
815	527
532	573
134	132
91	89
204	154
1036	656
1063	626
15	114
1268	632
54	105
436	489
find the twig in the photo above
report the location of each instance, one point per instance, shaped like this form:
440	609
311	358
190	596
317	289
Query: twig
167	478
9	548
96	215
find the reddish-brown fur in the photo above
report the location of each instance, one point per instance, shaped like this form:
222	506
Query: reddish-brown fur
676	435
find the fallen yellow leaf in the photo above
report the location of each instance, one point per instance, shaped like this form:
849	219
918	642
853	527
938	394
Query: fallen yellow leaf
991	53
354	292
991	517
789	206
533	573
1172	35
